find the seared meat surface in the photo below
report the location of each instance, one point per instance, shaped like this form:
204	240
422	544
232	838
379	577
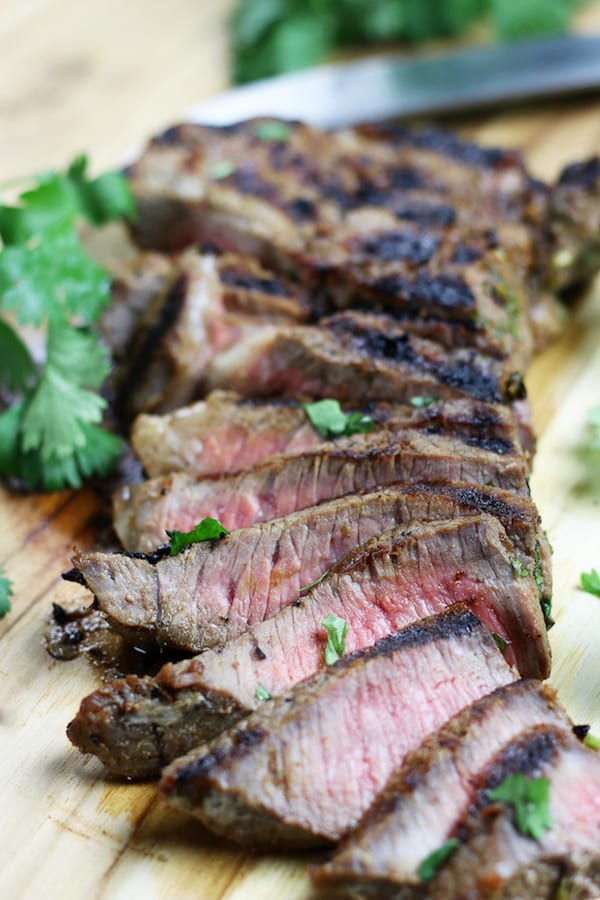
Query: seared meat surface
269	781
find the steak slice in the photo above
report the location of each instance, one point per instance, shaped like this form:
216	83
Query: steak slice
227	433
494	859
143	513
212	592
136	726
356	357
427	797
302	769
211	304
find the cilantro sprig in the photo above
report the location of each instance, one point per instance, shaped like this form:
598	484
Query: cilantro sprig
206	530
336	629
590	582
328	418
429	866
530	800
6	592
50	433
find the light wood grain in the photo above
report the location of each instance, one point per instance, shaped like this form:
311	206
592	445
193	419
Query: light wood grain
102	76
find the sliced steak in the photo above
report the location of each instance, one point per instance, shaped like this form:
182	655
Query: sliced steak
356	357
494	859
427	797
143	513
303	768
137	725
575	224
255	571
211	304
228	433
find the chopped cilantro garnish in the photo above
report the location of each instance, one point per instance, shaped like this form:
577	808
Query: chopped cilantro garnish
590	582
206	530
590	740
428	868
328	418
501	643
530	800
546	604
6	592
272	131
337	630
594	423
518	567
51	436
222	169
421	402
262	693
304	590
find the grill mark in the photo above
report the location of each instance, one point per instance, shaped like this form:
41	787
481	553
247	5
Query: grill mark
581	174
200	769
396	245
240	278
439	216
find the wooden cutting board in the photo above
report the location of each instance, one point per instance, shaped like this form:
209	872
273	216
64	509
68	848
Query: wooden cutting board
67	833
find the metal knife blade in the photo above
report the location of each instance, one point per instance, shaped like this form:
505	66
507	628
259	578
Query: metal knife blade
395	86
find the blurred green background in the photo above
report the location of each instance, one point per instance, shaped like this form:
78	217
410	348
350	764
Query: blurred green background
273	36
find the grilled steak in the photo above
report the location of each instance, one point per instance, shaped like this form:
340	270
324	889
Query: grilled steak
210	305
227	433
252	573
137	725
425	799
282	484
357	357
575	224
303	768
494	859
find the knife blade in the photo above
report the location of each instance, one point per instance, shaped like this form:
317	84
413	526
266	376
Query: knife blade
399	86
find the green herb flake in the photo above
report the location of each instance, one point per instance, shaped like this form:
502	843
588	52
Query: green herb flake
262	693
206	530
500	642
309	587
222	169
591	741
530	800
429	867
518	567
272	130
594	423
546	604
337	630
590	582
328	418
421	402
6	592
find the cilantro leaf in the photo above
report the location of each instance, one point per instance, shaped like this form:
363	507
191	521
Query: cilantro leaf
421	402
100	199
6	592
222	169
518	567
546	604
590	582
328	418
337	630
429	866
262	693
530	800
591	741
500	642
52	278
272	130
16	364
206	530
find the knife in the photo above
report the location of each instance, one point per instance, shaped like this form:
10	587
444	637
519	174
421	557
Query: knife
396	86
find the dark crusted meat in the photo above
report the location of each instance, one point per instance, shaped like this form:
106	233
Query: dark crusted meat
304	767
